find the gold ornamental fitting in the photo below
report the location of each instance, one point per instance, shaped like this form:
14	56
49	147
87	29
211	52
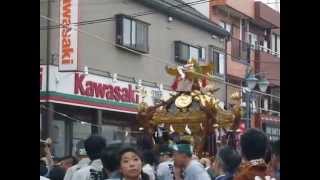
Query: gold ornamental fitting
236	96
183	101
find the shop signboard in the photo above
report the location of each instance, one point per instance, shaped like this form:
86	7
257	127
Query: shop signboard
68	43
89	90
271	126
43	77
272	131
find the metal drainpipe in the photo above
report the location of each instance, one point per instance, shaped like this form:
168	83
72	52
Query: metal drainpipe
248	106
47	74
225	69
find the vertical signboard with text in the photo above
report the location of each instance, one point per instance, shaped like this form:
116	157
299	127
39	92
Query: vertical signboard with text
43	76
68	43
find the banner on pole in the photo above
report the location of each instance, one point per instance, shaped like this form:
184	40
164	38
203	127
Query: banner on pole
68	43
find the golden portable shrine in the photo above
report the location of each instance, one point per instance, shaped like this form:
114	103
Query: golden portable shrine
192	112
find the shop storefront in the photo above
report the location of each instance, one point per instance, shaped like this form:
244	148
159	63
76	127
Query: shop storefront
80	104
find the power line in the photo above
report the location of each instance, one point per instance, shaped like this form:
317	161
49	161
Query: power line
148	13
112	43
81	23
146	55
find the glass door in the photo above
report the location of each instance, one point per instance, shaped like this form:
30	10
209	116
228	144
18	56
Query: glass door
80	133
58	134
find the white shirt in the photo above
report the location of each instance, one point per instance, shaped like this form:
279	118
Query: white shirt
164	172
195	171
84	173
81	164
43	178
148	169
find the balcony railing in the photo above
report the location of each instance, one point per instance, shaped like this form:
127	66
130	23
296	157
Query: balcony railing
268	64
267	50
240	50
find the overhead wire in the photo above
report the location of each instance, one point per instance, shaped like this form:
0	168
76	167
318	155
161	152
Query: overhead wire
147	55
138	14
151	12
125	47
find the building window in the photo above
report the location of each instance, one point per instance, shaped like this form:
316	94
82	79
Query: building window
58	135
132	33
184	52
275	102
275	44
218	60
80	133
278	45
226	26
240	51
253	39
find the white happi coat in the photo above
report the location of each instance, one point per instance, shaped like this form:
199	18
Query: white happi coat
195	171
81	164
84	173
43	178
164	172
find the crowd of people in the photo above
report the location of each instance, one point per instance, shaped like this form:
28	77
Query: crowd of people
258	159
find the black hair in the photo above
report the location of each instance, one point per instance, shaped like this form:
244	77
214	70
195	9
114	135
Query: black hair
109	158
149	157
126	149
57	173
253	144
94	145
230	158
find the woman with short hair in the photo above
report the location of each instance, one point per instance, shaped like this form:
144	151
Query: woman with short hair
131	165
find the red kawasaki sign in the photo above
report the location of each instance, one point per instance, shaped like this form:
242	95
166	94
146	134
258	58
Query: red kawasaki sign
107	91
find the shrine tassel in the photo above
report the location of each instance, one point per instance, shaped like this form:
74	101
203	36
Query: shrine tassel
174	86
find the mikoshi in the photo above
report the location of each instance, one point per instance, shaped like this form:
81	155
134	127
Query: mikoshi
192	112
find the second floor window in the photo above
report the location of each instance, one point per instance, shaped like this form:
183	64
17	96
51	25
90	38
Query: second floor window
184	52
252	39
218	60
240	50
226	26
132	33
275	44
